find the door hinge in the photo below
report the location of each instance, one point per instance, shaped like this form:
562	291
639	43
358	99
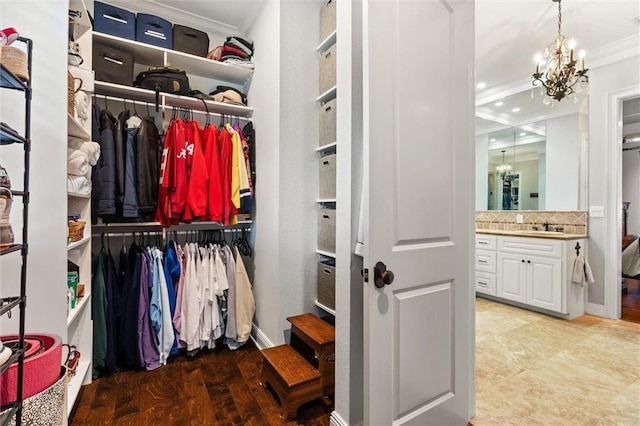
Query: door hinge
366	275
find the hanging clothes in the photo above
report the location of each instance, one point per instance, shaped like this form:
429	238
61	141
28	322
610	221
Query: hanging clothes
214	183
120	137
245	302
130	203
148	149
99	312
147	338
107	196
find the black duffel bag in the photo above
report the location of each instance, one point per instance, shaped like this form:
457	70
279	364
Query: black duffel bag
164	79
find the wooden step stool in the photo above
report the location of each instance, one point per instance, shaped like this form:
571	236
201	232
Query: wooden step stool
292	378
309	331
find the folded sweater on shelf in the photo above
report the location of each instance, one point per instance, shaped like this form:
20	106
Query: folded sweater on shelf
77	163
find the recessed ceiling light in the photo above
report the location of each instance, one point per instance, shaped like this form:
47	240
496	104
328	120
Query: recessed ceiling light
492	140
523	133
481	85
499	103
515	109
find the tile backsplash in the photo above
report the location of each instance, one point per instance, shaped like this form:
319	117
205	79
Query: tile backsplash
573	222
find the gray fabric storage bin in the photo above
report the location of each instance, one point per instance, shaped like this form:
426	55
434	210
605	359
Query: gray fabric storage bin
327	19
328	69
328	115
327	230
328	177
327	285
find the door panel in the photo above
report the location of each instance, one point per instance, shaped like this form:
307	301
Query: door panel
420	383
546	283
512	277
417	76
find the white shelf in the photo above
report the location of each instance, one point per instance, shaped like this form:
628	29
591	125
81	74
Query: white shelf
82	24
76	130
328	42
325	308
328	95
80	305
154	56
149	96
326	200
77	244
326	253
76	195
73	388
328	147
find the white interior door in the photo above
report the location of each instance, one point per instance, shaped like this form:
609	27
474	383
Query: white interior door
419	169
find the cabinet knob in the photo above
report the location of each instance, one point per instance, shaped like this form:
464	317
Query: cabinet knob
528	261
522	260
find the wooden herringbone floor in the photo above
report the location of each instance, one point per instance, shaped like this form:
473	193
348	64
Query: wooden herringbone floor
219	387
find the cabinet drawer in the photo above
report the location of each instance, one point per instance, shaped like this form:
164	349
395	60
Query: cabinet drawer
531	246
486	242
486	261
486	283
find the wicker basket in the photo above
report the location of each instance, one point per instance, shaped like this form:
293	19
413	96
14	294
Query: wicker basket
76	230
15	60
71	92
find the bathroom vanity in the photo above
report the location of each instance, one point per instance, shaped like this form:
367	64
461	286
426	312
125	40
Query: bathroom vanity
530	269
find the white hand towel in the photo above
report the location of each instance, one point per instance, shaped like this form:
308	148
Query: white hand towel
5	353
581	271
92	149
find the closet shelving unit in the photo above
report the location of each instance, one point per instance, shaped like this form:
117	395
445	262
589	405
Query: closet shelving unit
9	81
322	151
79	323
213	72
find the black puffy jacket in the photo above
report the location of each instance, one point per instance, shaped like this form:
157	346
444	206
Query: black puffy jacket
107	200
120	139
149	149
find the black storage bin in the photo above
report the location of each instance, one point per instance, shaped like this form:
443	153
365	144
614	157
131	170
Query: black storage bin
112	65
114	20
153	30
191	41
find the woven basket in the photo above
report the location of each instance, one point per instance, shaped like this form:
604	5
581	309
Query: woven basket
76	230
71	92
15	60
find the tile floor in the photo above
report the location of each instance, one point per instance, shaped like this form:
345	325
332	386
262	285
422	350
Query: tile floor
533	369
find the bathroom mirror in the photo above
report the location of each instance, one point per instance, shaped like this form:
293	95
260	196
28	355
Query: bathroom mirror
542	146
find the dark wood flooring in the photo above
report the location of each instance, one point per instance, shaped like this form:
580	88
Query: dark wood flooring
631	301
218	387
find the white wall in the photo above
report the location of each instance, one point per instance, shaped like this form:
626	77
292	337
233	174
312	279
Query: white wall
298	165
264	96
46	24
563	164
482	171
631	188
604	80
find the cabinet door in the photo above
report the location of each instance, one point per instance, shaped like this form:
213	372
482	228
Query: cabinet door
545	283
512	277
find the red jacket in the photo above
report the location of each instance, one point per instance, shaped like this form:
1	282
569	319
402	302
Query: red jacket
197	175
214	185
178	169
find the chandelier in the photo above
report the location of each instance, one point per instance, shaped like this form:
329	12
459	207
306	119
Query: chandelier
560	78
503	171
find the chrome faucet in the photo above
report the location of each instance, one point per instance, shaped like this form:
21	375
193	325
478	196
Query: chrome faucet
546	226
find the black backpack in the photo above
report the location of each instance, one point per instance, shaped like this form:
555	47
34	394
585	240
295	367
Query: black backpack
164	79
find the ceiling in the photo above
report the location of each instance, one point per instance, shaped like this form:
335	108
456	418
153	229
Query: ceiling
509	33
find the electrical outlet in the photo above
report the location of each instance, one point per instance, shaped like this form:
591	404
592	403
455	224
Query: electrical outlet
596	211
519	218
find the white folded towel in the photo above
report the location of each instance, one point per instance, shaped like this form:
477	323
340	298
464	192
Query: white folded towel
78	185
581	271
92	149
77	163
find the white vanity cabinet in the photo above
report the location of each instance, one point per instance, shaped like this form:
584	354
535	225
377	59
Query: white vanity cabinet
533	272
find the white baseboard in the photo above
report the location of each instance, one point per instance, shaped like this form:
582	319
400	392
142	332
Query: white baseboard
259	338
595	309
336	420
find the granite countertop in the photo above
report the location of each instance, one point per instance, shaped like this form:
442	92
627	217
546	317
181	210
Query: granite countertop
533	234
